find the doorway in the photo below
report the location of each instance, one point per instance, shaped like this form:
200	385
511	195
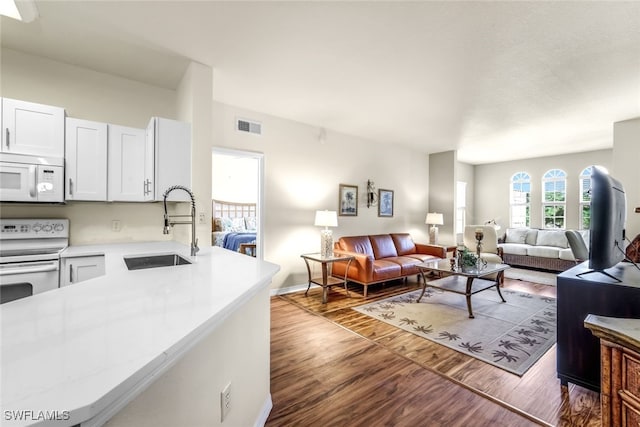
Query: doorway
237	178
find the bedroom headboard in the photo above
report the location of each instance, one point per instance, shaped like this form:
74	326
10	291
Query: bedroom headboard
222	209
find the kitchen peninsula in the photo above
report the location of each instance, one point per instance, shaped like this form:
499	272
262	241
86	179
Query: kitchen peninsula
142	347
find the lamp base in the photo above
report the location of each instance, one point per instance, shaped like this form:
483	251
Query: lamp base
326	243
433	235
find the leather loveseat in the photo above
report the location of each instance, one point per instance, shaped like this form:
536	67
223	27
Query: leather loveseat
382	257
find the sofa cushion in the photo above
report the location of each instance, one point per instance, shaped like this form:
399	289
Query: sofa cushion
567	254
514	248
516	235
544	251
359	244
384	269
383	246
423	257
532	236
552	238
404	243
407	264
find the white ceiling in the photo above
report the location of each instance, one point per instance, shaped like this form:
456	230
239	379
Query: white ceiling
494	80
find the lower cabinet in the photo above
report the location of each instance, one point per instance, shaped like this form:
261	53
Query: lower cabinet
78	269
620	369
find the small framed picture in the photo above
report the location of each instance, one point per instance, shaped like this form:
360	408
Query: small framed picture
385	202
348	200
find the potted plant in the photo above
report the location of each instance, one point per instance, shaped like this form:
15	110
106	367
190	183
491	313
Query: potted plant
467	259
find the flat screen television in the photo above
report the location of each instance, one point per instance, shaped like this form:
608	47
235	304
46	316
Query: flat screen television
608	217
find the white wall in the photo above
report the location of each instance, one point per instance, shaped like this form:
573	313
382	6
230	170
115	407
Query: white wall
92	95
492	185
442	197
626	168
302	175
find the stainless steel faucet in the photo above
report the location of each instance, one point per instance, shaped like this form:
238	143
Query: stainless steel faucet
168	223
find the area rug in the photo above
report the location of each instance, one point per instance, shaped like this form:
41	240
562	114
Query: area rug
533	276
511	335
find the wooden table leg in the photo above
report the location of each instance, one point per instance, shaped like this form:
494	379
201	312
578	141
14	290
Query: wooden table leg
309	273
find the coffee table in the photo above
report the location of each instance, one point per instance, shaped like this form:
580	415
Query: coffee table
465	282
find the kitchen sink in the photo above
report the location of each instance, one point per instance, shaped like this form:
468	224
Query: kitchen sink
154	261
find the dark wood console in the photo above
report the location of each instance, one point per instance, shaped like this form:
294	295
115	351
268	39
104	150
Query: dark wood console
578	351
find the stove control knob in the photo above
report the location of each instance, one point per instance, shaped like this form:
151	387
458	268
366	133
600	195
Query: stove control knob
37	227
58	227
47	227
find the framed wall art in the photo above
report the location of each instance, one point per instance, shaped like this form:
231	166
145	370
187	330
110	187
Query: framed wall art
348	200
385	203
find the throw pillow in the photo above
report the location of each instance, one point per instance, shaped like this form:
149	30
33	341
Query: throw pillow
516	235
237	224
250	223
633	250
555	238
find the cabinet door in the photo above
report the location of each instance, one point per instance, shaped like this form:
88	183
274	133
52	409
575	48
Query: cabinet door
130	158
30	128
86	160
172	146
79	269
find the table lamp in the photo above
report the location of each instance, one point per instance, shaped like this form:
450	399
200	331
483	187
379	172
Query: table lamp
326	219
434	219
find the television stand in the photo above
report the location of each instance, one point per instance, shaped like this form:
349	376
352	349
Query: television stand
601	272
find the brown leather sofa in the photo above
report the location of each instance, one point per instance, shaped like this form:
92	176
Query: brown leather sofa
382	257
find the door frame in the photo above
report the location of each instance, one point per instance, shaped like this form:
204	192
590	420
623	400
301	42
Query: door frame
260	202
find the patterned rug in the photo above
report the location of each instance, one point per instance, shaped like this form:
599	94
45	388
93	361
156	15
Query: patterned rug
511	335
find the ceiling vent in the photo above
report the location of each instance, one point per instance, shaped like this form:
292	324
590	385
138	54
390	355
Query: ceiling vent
243	125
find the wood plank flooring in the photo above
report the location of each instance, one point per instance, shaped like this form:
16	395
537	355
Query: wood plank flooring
332	366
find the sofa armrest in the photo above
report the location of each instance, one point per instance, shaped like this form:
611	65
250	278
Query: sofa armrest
439	251
361	268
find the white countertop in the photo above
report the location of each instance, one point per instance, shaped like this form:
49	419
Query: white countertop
85	347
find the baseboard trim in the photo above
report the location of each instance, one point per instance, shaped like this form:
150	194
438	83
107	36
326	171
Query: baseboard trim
264	412
288	290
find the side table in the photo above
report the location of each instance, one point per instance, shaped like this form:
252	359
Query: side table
326	281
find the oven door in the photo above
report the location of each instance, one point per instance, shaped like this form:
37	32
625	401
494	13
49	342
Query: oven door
23	279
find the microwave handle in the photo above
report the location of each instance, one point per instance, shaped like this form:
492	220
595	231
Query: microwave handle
32	180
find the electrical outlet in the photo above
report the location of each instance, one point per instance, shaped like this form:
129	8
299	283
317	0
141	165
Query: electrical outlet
115	225
202	219
225	402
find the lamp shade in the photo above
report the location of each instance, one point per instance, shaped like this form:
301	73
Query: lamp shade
326	219
434	218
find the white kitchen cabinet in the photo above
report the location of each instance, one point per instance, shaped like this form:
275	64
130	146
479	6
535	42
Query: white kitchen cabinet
34	129
86	160
130	165
78	269
171	140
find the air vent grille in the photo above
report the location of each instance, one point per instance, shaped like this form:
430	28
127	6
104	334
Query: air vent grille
249	126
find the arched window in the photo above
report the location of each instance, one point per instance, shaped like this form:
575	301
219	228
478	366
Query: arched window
585	198
554	196
520	200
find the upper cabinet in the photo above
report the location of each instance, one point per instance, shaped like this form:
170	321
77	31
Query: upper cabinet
30	128
86	160
130	165
171	140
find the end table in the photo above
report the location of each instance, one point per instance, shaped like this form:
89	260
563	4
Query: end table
326	281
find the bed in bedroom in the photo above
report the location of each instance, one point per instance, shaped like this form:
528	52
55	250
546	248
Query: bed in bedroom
233	224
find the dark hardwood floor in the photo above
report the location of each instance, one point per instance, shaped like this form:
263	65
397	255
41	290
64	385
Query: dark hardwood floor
332	366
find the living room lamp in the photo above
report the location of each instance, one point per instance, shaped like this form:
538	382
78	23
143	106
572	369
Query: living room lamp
326	219
434	219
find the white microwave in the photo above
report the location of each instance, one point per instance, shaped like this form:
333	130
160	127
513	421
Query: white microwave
31	179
